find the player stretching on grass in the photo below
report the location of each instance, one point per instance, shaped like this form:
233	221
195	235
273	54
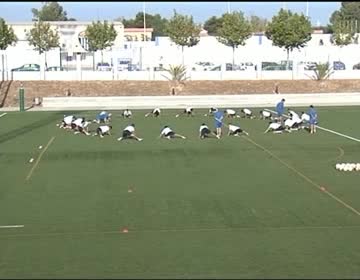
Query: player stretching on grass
265	115
103	130
212	110
103	117
168	133
247	113
205	132
126	114
188	111
230	113
129	133
156	112
67	121
235	130
275	127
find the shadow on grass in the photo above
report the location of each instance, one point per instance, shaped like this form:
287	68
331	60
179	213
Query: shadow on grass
31	127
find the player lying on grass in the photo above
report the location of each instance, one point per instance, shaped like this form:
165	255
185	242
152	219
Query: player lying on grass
67	121
205	132
187	111
247	113
156	112
235	130
129	133
103	130
126	114
168	133
275	127
77	122
103	117
265	115
212	110
230	113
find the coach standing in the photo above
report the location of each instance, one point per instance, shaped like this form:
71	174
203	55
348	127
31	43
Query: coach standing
280	109
218	116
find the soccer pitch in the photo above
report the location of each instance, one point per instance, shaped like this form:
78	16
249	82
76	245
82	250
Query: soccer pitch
257	206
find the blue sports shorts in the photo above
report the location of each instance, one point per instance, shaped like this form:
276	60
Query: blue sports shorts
218	124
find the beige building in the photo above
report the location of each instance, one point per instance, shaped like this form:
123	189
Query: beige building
71	33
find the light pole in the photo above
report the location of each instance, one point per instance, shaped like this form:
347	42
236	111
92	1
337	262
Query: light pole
228	7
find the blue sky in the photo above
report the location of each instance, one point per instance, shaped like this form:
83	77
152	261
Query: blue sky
319	12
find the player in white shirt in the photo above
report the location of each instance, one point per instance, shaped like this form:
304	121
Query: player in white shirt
212	110
265	115
82	128
235	130
290	124
76	123
230	113
67	121
305	117
187	111
169	133
127	113
129	133
156	112
205	132
103	130
275	127
295	117
247	113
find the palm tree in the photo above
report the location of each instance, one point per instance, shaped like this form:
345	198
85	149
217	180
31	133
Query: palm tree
322	71
177	77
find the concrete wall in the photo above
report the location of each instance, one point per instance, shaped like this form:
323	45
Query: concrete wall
204	101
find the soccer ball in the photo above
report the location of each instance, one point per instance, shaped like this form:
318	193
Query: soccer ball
337	166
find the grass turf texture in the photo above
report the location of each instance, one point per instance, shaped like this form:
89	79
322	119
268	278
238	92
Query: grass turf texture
198	208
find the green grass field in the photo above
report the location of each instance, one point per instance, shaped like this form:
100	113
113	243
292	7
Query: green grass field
239	207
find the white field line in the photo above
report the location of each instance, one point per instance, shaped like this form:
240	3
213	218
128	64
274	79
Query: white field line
12	226
325	129
3	114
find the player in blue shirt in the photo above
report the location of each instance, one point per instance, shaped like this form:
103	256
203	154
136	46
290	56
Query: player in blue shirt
103	117
313	119
218	116
280	109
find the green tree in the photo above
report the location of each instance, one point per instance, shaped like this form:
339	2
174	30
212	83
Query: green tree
100	36
152	21
42	37
343	32
7	38
258	24
212	25
235	30
349	12
183	31
50	11
289	31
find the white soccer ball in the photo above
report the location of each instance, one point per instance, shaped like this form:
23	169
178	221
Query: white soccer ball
337	166
341	168
353	165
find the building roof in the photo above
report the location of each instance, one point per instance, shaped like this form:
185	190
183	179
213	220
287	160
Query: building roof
69	22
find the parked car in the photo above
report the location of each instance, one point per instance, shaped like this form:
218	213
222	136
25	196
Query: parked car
203	66
308	65
271	66
338	65
27	67
55	68
356	66
103	66
133	67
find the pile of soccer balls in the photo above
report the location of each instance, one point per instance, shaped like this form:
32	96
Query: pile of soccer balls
348	166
